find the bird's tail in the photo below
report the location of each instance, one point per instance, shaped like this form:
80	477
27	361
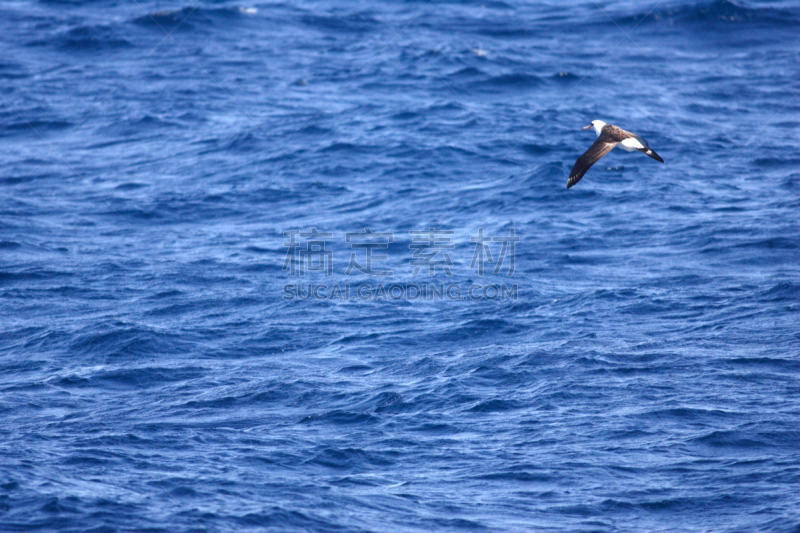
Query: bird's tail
651	153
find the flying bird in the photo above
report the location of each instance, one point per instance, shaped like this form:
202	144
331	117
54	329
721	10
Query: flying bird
608	136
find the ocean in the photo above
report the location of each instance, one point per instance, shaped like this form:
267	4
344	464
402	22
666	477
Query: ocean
313	266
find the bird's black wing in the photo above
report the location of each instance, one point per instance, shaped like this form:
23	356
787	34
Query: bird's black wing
589	158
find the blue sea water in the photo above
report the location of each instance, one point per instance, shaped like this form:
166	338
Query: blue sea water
632	365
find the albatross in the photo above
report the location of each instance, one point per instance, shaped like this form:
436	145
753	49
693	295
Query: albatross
608	136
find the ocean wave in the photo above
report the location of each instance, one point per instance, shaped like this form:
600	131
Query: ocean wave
718	14
508	81
86	39
350	23
193	17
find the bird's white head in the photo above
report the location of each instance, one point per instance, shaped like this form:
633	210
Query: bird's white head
597	125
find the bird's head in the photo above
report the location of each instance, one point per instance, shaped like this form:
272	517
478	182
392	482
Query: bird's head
597	125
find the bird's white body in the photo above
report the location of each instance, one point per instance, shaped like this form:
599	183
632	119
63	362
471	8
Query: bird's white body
629	145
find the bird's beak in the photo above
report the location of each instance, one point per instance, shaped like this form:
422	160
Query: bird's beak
587	127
